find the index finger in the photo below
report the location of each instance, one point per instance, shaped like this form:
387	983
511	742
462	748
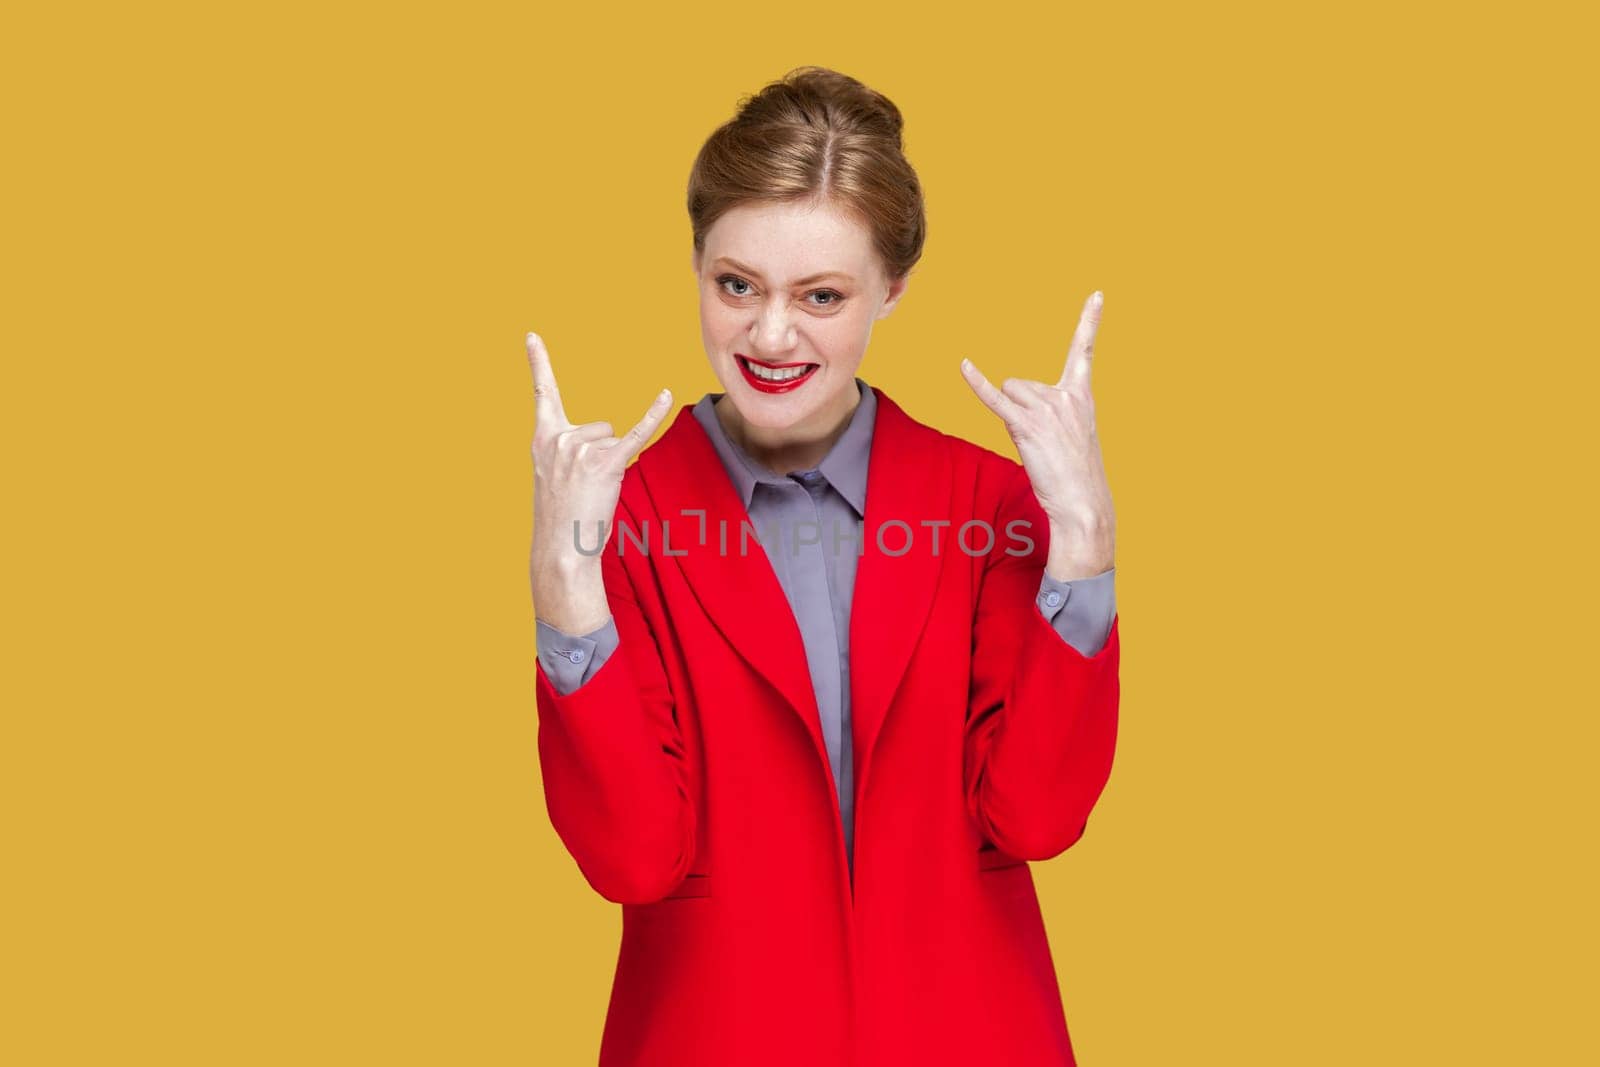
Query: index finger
1081	354
547	407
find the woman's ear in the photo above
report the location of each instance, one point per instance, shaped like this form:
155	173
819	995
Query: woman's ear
694	260
896	289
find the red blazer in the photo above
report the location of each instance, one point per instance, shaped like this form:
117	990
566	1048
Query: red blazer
690	781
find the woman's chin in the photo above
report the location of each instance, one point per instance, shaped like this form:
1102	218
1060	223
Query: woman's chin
769	413
774	411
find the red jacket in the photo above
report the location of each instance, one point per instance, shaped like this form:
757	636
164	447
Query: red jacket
689	779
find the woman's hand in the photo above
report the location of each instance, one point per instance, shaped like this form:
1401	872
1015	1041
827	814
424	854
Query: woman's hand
1053	429
577	478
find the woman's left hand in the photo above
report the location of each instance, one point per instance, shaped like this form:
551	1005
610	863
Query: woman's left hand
1053	429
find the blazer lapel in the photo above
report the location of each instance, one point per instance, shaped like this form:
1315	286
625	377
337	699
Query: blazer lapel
908	481
740	592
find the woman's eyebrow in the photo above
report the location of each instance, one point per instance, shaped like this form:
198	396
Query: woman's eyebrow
736	265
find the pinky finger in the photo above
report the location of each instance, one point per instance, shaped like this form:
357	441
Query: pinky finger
634	439
996	401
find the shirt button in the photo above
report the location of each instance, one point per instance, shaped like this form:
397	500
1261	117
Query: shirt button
576	655
1052	599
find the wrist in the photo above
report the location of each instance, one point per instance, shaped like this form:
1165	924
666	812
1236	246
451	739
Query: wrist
570	594
574	625
1070	570
567	566
1080	549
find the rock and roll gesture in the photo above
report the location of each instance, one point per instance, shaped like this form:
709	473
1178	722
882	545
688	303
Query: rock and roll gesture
1054	431
577	479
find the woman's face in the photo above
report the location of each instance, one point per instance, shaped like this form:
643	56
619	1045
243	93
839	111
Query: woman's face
790	286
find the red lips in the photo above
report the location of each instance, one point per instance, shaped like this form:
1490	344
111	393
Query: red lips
760	385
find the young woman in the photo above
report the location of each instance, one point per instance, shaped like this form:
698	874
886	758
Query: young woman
816	680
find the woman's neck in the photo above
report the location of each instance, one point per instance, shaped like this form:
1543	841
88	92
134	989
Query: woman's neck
792	448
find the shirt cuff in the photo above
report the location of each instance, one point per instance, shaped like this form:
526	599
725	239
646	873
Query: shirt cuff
1081	610
569	660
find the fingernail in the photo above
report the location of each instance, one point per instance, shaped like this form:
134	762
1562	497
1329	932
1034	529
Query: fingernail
965	362
662	395
1099	298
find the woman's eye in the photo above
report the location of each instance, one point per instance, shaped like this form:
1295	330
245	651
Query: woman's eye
728	281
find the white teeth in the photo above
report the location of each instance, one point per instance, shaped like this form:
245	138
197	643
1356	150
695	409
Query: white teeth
775	375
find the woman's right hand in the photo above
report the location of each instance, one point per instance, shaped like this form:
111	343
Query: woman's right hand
577	479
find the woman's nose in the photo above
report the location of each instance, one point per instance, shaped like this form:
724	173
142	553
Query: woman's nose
772	331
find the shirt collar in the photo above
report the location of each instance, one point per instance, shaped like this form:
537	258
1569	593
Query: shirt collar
844	467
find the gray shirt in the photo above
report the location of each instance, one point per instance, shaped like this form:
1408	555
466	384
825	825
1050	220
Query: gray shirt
810	524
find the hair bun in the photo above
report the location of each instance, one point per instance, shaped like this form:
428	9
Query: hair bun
815	134
826	97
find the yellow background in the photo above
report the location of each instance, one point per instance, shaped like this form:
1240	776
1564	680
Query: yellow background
270	782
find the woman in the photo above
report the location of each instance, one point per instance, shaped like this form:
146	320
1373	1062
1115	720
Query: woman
816	680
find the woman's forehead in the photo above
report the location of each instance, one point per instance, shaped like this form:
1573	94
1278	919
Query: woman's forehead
791	243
